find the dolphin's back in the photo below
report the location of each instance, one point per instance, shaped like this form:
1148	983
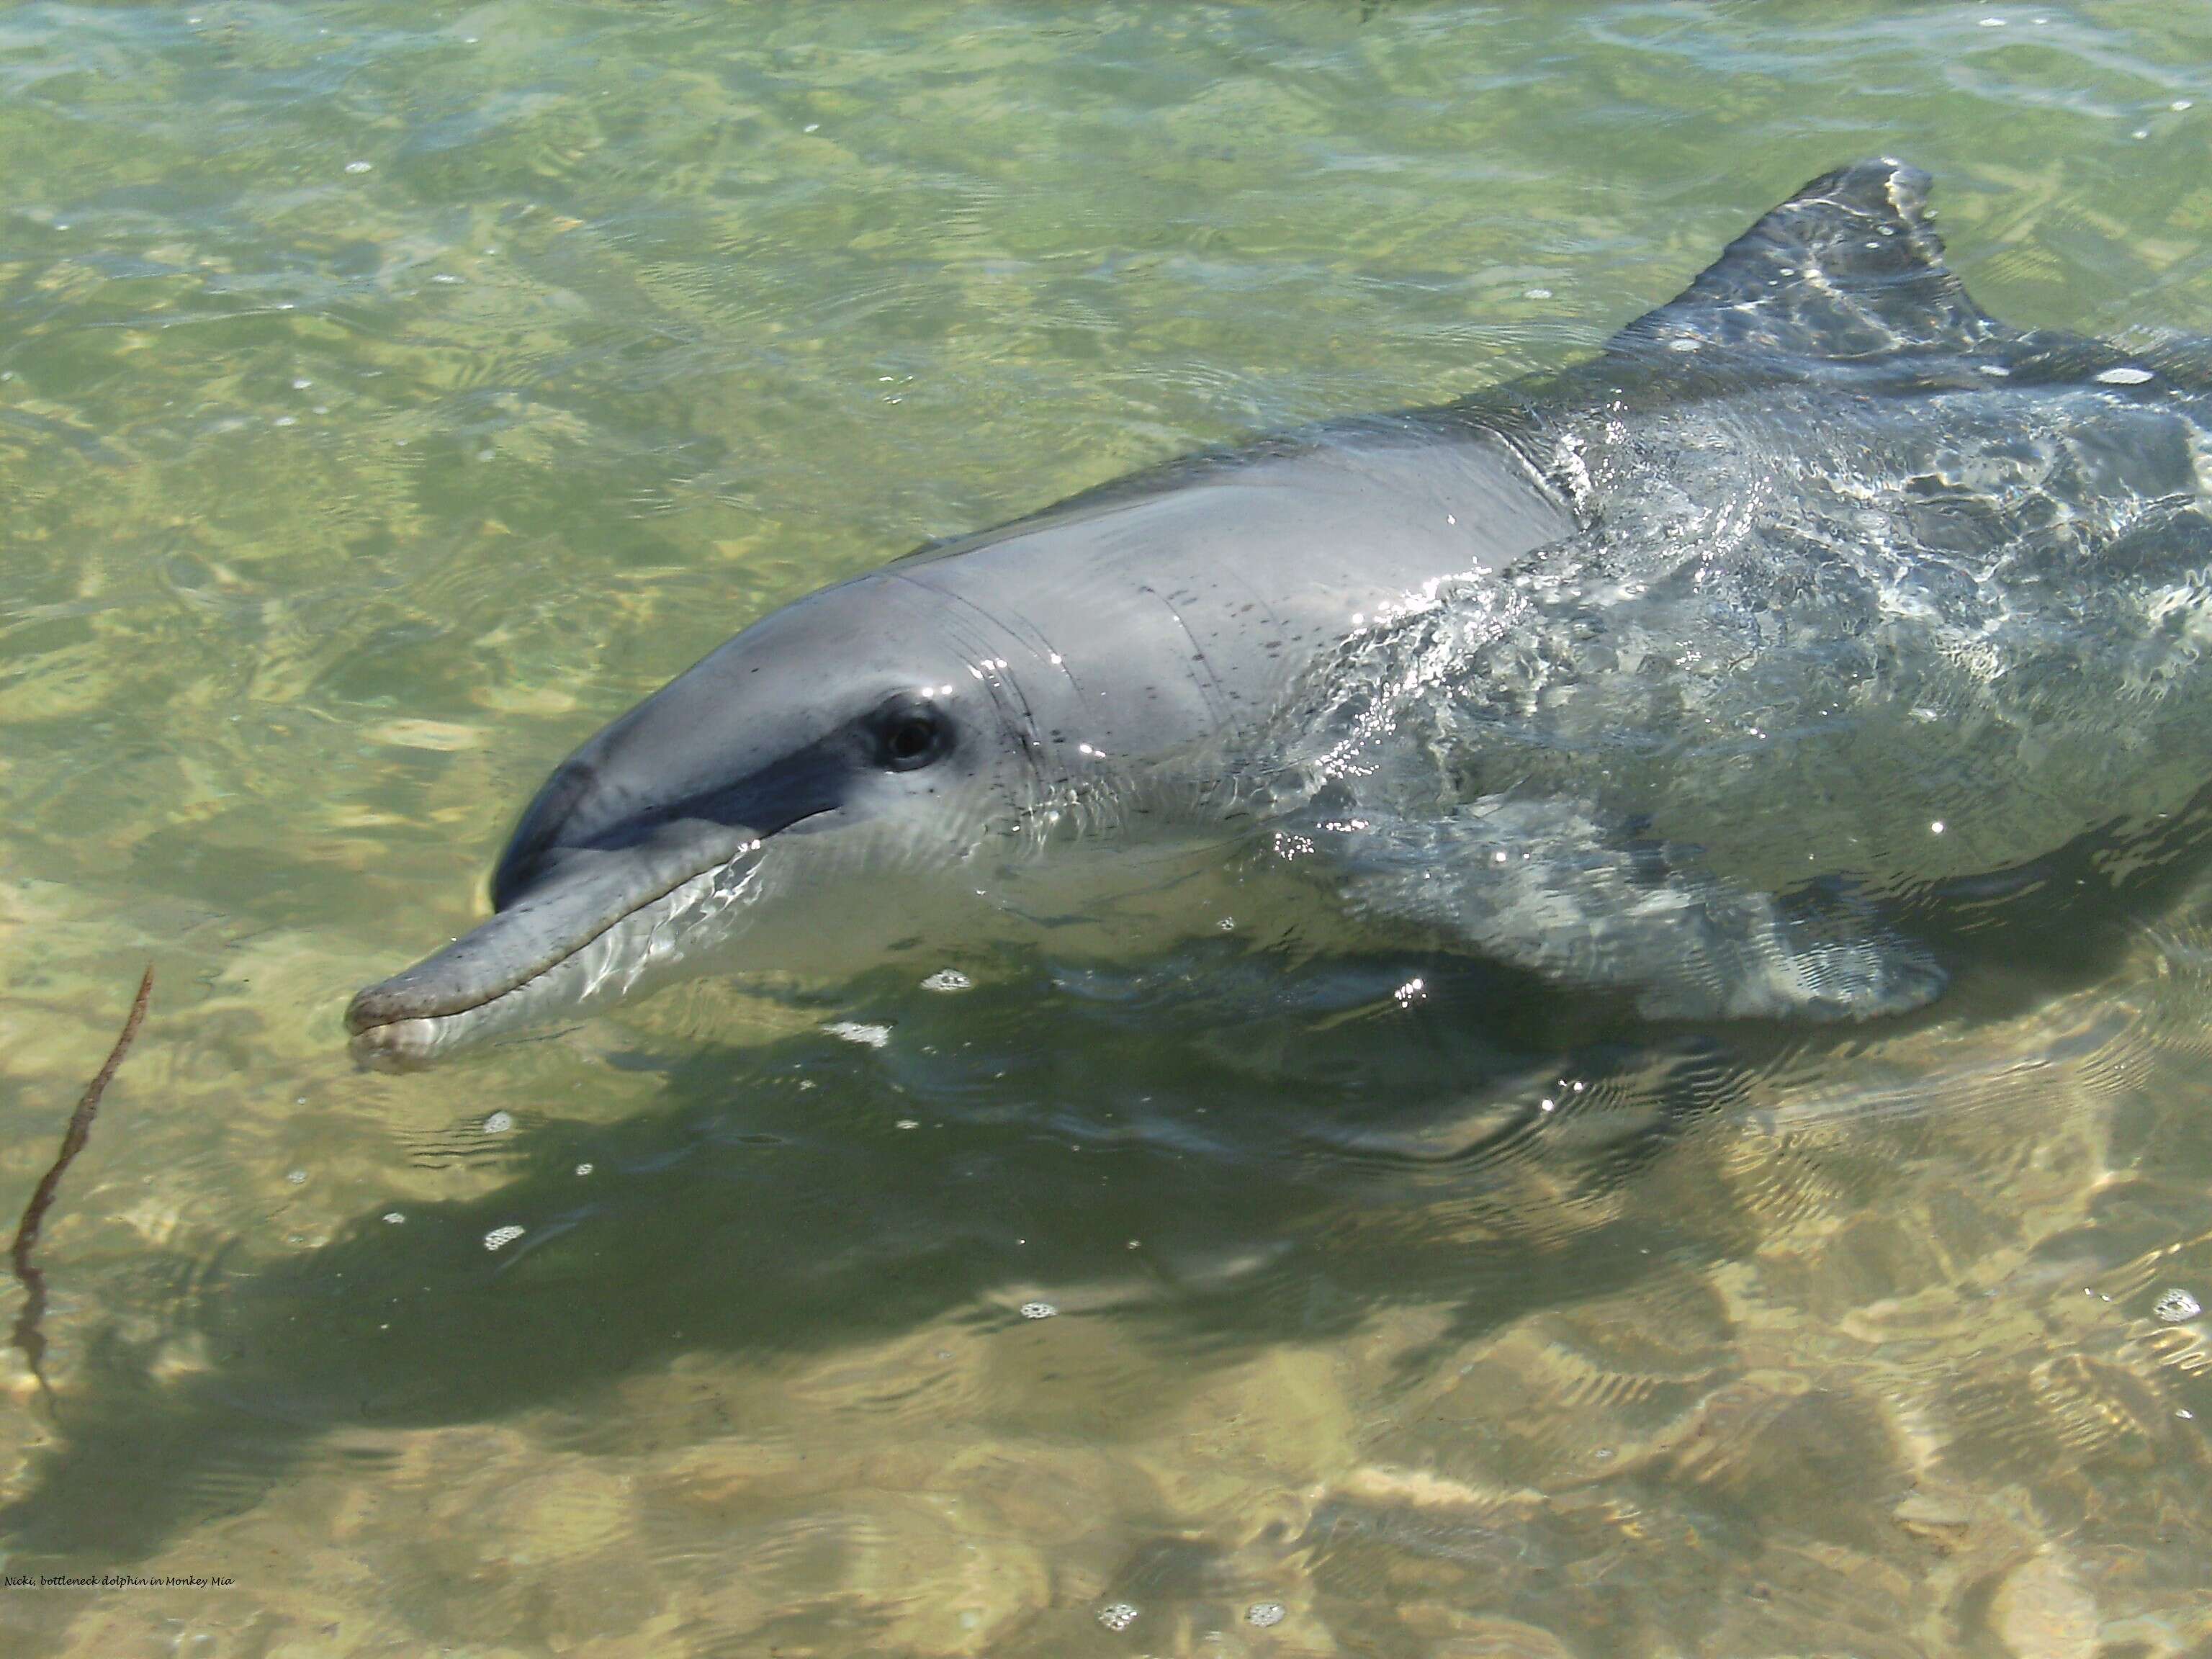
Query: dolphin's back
1870	584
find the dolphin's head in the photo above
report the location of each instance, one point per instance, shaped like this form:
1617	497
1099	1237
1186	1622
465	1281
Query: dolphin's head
843	759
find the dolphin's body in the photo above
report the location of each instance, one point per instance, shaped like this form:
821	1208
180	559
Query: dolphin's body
1668	675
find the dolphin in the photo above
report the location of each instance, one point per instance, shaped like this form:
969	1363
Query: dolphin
1677	675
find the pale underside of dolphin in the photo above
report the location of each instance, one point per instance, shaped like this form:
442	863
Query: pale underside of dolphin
1664	675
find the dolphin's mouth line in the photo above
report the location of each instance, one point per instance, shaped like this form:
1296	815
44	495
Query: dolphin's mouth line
515	948
454	1009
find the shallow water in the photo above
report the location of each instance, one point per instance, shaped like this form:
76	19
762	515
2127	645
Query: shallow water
391	394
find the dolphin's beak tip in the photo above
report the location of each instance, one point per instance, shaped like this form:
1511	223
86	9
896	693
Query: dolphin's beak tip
400	1045
371	1007
383	1035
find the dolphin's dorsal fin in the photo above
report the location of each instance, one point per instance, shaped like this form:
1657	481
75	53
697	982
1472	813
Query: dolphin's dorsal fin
1846	270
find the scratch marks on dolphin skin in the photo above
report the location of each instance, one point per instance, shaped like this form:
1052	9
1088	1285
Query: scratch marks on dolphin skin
980	634
1211	691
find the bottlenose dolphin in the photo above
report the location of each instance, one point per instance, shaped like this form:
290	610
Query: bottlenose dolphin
1671	676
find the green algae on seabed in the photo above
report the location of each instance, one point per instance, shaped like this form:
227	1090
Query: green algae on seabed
391	394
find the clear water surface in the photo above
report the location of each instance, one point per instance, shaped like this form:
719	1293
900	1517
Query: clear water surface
391	393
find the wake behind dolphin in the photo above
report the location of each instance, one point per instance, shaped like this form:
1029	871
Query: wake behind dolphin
1672	677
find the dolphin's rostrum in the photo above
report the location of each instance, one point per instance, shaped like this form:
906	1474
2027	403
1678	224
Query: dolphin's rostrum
1671	675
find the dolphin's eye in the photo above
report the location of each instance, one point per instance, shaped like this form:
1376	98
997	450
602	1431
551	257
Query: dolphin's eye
911	733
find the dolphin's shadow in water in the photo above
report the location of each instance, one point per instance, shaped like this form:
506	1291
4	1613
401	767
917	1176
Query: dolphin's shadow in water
1296	1146
772	1202
2013	937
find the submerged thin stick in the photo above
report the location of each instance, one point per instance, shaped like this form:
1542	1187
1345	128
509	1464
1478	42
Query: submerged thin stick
26	1335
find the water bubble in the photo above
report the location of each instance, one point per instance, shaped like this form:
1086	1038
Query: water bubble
286	420
907	1123
2124	376
812	126
297	1177
1684	344
947	979
1265	1614
498	1238
360	166
302	385
1936	828
2178	105
1537	294
499	1123
1038	1311
1993	22
395	1217
583	1168
2176	1305
1118	1615
854	1030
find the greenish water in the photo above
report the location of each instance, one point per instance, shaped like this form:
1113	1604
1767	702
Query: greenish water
390	395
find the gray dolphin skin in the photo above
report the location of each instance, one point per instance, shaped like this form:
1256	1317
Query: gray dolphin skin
1672	675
